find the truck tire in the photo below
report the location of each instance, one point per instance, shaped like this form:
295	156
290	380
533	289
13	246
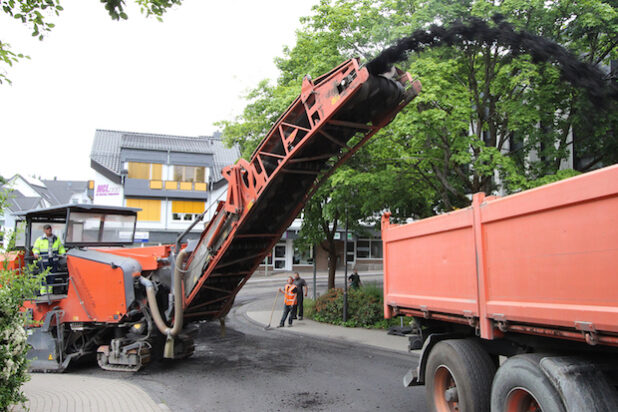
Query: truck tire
521	385
458	376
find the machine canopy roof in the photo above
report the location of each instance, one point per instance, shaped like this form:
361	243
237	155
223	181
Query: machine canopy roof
59	213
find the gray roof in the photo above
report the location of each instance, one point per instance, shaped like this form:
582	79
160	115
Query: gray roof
223	155
55	192
107	144
18	202
106	150
165	143
63	190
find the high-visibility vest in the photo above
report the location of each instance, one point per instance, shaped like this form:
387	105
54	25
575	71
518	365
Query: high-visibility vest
290	295
41	246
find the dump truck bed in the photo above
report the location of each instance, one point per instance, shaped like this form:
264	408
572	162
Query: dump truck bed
543	262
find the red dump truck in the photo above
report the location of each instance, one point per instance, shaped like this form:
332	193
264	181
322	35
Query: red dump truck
514	299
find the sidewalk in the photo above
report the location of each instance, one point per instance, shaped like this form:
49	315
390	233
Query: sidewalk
371	337
308	276
60	392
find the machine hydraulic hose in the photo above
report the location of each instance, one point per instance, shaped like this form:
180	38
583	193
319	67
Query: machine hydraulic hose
169	332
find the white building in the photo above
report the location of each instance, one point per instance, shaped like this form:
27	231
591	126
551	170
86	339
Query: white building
173	179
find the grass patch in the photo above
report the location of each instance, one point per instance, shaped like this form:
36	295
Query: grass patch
365	308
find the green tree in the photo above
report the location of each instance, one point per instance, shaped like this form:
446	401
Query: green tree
316	52
36	14
359	191
486	119
522	116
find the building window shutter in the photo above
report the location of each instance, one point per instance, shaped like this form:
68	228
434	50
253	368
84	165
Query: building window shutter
156	171
151	209
139	170
187	206
146	171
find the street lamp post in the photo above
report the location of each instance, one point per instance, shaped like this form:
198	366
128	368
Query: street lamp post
345	270
315	278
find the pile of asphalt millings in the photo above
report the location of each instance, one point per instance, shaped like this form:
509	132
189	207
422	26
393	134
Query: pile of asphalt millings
579	74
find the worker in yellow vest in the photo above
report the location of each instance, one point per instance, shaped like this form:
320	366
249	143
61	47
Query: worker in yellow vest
46	250
289	300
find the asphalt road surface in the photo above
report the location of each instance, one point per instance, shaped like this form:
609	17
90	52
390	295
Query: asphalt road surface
252	369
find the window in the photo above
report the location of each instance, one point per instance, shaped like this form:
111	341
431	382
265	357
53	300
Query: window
368	249
350	254
20	233
151	209
376	248
302	258
147	171
190	174
186	210
279	254
37	229
100	228
362	249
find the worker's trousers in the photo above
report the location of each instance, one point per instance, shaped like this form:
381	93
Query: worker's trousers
287	310
298	308
50	278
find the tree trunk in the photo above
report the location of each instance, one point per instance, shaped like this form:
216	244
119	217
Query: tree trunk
330	248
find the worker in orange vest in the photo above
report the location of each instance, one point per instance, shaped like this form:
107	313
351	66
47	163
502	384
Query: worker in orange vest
289	301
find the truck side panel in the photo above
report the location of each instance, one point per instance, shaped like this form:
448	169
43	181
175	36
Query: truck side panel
431	264
555	264
547	258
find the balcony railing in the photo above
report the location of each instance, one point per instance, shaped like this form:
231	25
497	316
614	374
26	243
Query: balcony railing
165	188
174	185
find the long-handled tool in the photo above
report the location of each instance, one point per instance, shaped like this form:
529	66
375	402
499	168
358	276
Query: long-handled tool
272	311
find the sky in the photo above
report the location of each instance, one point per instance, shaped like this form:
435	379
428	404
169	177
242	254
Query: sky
176	77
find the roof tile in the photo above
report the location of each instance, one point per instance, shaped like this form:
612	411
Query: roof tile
107	144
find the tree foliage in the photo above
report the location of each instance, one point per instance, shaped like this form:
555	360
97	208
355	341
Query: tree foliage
16	286
486	120
36	15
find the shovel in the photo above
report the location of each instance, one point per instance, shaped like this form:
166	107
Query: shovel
272	311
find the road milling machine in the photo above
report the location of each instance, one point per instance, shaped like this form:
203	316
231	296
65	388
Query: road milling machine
125	304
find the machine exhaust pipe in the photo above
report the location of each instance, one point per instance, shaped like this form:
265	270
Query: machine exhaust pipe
172	332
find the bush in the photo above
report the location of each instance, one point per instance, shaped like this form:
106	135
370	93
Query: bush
13	349
365	308
14	289
16	286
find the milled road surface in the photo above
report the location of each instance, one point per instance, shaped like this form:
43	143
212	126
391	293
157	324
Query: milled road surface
252	369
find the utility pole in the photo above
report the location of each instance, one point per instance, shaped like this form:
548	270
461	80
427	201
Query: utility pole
345	270
315	278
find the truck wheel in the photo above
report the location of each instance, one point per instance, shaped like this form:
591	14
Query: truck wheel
521	385
458	376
